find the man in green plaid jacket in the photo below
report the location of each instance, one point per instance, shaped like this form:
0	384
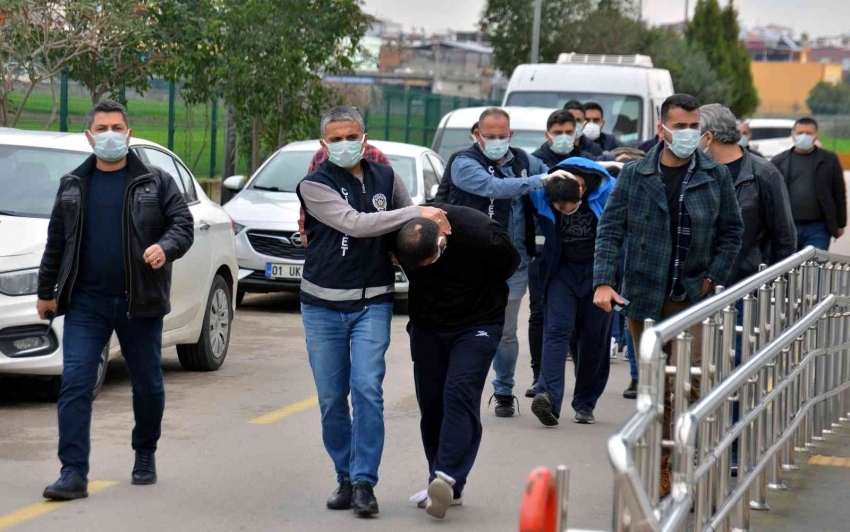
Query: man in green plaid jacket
676	213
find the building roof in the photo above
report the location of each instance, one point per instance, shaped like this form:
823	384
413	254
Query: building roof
465	46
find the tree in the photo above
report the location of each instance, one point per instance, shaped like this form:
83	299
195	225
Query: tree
828	99
508	25
126	54
689	68
716	34
39	38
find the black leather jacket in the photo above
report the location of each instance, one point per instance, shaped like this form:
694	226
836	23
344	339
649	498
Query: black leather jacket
769	232
155	212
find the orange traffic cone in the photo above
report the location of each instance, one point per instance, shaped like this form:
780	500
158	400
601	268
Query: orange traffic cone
539	502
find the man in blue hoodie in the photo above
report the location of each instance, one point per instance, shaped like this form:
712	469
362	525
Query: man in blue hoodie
568	212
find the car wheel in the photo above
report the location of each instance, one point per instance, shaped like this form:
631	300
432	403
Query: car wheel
239	297
102	365
209	353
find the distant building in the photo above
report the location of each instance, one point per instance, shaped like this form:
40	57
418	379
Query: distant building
783	87
772	43
839	55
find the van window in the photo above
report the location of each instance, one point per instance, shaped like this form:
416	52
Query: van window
449	141
773	132
622	113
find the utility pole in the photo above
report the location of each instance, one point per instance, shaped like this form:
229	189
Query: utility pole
686	12
535	33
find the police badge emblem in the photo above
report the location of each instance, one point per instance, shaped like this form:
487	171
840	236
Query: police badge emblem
380	202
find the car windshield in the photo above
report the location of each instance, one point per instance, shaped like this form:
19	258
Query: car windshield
454	140
288	168
763	133
622	113
29	178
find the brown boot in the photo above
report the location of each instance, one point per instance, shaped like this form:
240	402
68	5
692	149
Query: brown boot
666	481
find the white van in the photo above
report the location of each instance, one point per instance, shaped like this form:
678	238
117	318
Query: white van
527	123
629	89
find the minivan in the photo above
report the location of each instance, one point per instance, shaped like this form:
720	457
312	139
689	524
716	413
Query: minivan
629	89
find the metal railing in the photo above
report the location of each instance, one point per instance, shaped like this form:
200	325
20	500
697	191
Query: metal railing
790	327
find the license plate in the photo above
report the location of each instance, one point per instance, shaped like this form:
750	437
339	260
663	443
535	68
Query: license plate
283	271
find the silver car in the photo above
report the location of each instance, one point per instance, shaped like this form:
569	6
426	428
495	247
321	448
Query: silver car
266	210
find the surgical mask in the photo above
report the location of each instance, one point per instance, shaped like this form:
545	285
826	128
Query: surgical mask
346	153
745	140
110	146
592	131
804	142
580	129
685	142
563	144
572	211
496	149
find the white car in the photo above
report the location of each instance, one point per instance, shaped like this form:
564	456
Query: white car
527	123
266	210
31	166
771	136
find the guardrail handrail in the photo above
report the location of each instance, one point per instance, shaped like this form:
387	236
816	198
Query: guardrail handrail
790	326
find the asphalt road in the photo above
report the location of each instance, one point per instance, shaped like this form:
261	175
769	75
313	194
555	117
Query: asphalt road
218	471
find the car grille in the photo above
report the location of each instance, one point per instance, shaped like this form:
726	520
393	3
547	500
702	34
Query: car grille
277	244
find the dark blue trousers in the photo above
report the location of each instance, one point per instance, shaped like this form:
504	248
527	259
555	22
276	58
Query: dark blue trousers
450	370
570	310
89	324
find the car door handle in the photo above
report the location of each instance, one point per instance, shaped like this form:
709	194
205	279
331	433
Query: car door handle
205	226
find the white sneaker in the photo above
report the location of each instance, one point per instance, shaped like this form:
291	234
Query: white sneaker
440	495
421	499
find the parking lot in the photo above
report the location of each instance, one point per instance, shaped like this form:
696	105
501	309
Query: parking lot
242	449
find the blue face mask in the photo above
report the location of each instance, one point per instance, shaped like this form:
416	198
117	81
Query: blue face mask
496	149
563	144
744	142
110	146
804	142
685	142
346	153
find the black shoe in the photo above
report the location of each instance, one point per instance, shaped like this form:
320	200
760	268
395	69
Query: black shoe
71	485
532	390
364	502
341	497
585	418
144	472
631	391
542	408
504	405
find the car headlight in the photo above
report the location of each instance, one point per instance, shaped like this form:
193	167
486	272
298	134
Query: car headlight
19	283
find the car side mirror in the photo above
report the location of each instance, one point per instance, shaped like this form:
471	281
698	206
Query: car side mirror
235	183
433	193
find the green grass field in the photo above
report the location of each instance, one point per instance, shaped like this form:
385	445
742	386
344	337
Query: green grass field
836	145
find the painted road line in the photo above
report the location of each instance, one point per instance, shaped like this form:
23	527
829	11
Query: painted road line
28	513
834	461
277	415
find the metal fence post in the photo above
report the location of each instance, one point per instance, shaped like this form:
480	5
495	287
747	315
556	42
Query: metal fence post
63	102
779	368
214	135
389	96
704	495
741	516
759	502
172	90
409	103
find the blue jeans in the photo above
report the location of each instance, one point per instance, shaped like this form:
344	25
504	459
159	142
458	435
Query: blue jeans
570	310
813	234
346	351
506	356
89	324
450	371
631	355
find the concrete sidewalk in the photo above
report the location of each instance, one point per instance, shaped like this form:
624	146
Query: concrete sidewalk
818	495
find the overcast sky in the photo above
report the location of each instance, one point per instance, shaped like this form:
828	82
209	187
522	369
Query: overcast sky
817	17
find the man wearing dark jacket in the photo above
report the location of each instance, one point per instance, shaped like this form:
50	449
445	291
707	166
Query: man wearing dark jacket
815	183
117	226
582	143
769	232
445	189
458	296
593	129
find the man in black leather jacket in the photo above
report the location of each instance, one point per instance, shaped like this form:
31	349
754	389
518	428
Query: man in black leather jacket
117	226
769	231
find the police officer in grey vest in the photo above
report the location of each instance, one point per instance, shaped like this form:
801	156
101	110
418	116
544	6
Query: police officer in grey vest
347	296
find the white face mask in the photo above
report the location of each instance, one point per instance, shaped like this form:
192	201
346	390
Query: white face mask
685	142
346	153
744	142
110	146
563	144
580	128
592	131
804	142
